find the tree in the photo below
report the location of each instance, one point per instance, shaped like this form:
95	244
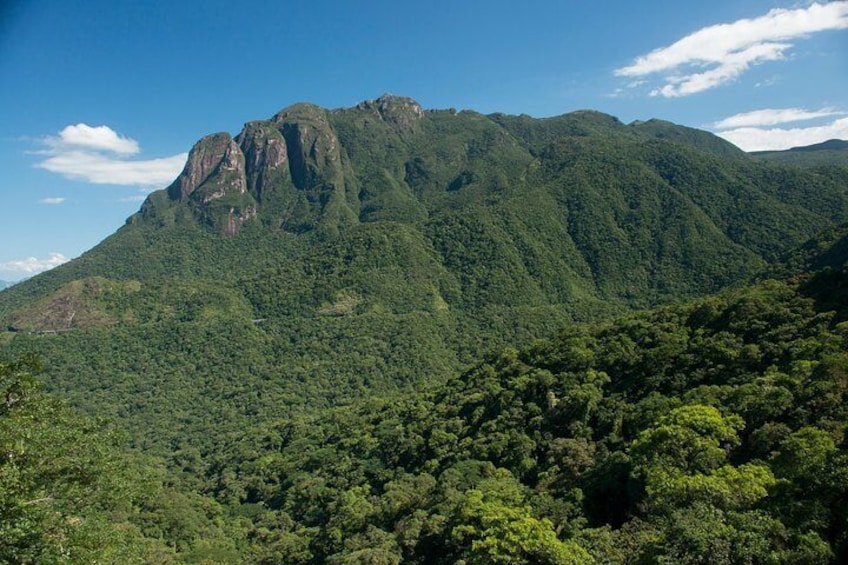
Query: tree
62	492
496	526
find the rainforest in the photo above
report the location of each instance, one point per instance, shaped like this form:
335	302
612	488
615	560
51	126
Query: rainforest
386	334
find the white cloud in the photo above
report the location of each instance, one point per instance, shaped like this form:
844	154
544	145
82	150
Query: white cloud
731	67
100	169
774	116
99	155
52	200
100	138
773	139
33	265
728	50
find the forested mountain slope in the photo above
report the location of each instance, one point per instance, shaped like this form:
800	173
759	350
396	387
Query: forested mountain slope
712	432
707	432
279	336
609	208
321	255
71	491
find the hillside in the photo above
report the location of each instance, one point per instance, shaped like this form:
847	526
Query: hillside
534	188
322	255
712	431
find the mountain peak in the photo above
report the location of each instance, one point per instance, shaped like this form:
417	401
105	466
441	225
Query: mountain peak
213	183
301	111
675	133
399	110
826	153
210	153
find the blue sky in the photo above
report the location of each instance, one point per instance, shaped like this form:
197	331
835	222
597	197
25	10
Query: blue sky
100	100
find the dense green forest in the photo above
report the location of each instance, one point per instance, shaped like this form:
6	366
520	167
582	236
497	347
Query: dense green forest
711	432
278	359
71	492
706	433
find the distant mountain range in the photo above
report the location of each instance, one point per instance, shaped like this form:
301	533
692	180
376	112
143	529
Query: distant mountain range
827	153
829	145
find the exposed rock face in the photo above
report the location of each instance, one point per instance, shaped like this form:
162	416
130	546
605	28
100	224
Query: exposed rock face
313	147
265	153
210	157
235	219
317	165
214	184
291	170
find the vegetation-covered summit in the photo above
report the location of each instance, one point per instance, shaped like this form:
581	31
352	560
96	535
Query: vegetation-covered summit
576	203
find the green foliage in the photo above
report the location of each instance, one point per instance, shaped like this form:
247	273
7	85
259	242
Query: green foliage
405	246
69	494
63	494
692	438
671	433
703	433
498	531
304	375
827	154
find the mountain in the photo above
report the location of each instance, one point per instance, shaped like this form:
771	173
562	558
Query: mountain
321	255
833	152
388	335
829	145
5	284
